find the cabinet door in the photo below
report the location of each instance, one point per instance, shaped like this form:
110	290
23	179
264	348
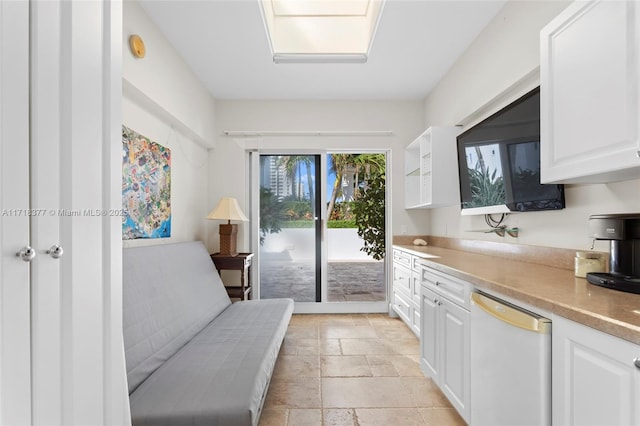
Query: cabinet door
15	375
589	72
454	347
428	334
595	381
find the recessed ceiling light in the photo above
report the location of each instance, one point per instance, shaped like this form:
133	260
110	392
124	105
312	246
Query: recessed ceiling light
321	31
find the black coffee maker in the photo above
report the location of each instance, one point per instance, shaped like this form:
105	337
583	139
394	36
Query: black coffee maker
623	232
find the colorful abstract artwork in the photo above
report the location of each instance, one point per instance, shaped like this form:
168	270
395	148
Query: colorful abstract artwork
146	187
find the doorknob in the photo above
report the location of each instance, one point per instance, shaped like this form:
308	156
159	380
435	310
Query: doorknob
26	253
55	251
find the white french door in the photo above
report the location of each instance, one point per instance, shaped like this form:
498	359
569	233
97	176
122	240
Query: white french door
61	352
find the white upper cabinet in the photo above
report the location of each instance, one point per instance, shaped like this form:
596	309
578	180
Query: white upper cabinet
431	169
589	87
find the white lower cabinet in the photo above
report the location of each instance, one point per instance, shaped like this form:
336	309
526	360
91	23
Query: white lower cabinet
596	377
444	339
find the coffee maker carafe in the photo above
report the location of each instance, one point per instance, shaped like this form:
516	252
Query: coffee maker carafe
623	232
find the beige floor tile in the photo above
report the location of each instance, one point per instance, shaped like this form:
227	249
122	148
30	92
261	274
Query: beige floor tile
345	366
424	393
365	347
346	320
409	346
300	346
288	347
394	332
292	366
301	392
384	319
389	416
302	319
339	417
365	392
273	417
441	417
333	331
360	320
305	417
330	347
395	365
309	331
384	370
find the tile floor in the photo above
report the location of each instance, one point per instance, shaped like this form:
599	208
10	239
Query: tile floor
352	370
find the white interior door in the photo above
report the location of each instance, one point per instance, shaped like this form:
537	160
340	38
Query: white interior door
15	369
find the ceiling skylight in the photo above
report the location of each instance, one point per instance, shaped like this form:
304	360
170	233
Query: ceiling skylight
321	30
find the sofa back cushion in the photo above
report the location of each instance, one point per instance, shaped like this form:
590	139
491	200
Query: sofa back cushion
170	292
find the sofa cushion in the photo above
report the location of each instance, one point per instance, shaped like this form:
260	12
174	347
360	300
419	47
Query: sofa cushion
170	293
222	375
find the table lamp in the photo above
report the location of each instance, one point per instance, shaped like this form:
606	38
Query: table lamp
228	209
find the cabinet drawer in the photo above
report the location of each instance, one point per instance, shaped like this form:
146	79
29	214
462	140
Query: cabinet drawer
402	258
456	290
402	307
401	279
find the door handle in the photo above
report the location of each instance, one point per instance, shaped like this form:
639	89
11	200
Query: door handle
55	251
27	253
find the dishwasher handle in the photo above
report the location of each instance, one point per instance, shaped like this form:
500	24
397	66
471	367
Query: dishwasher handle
511	314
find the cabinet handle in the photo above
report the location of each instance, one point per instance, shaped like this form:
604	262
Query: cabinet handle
637	362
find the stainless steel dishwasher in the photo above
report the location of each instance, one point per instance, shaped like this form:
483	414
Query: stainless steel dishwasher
510	364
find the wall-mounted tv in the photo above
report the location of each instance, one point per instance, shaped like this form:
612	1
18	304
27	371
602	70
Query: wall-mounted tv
499	162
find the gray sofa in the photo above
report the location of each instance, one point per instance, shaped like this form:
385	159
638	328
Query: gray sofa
193	357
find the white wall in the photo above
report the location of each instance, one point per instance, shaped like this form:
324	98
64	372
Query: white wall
504	54
227	162
165	102
163	80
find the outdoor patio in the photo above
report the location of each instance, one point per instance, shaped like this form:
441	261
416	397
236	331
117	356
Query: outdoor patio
348	281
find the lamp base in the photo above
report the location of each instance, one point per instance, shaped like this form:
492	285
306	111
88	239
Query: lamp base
228	239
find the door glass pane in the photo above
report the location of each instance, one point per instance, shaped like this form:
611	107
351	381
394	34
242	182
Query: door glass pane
355	234
289	255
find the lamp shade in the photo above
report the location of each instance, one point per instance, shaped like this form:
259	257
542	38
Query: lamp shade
227	209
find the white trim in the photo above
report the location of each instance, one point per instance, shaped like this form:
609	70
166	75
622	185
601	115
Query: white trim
259	133
315	58
341	307
502	208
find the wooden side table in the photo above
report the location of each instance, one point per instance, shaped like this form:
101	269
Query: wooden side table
241	262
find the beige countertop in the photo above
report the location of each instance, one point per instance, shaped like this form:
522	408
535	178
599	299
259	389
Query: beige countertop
553	289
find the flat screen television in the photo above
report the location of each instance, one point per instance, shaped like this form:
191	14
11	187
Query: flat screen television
499	162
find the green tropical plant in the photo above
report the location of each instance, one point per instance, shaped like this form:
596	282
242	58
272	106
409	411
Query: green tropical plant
271	213
369	211
339	164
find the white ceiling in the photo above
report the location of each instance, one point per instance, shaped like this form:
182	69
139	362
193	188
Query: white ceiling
225	44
